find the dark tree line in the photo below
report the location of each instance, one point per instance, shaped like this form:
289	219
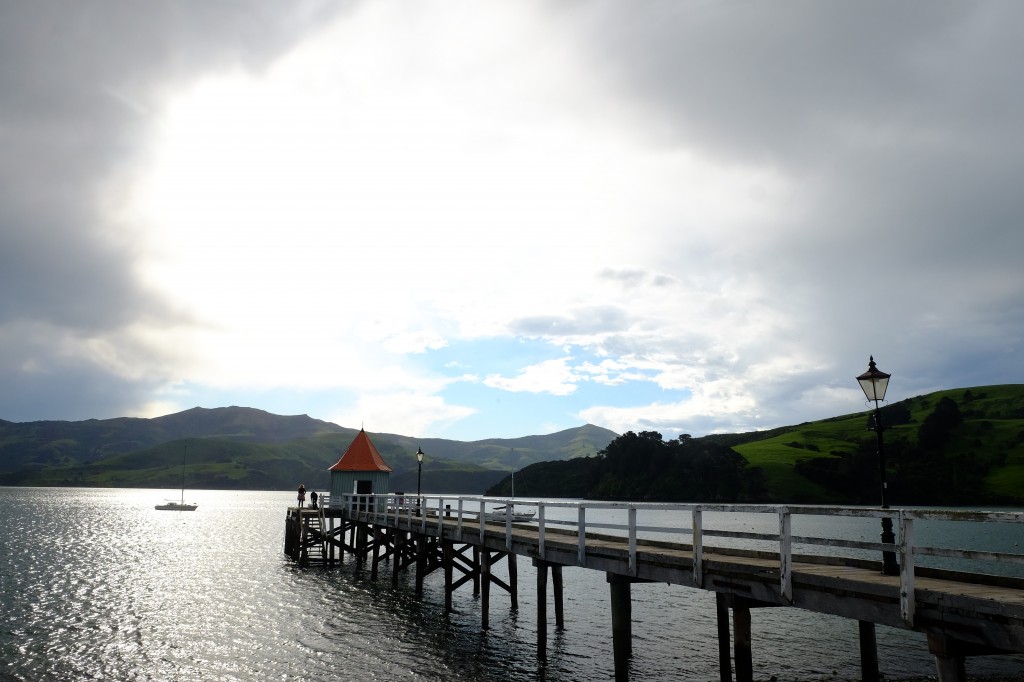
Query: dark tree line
642	466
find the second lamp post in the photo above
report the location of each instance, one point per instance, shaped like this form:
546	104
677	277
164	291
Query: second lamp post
419	471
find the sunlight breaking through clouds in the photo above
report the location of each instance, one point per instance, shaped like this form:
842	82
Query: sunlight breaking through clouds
681	215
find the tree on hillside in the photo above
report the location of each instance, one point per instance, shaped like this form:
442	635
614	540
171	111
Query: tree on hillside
644	466
938	427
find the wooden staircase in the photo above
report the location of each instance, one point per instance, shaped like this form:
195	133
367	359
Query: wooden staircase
313	536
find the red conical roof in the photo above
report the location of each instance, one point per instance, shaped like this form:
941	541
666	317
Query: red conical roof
361	455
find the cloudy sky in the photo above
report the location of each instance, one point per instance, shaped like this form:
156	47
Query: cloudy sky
470	218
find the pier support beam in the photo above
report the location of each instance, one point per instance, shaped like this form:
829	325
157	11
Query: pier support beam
542	602
724	638
421	564
949	658
378	533
476	574
556	581
868	652
542	609
485	597
622	624
401	552
513	579
448	559
741	644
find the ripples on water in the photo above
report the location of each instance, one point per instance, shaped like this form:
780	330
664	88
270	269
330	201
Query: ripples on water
96	584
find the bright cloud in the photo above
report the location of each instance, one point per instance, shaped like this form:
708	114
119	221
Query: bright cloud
552	376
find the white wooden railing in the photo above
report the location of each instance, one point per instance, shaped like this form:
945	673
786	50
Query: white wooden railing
430	511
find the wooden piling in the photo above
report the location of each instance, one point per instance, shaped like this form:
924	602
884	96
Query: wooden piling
399	552
556	580
421	564
949	659
376	553
622	624
513	579
542	609
448	559
290	536
868	651
476	573
485	597
724	638
741	641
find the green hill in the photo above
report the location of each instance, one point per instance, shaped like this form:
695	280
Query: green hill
971	453
962	446
246	448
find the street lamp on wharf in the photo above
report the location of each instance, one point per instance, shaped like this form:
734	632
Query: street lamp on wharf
874	382
419	471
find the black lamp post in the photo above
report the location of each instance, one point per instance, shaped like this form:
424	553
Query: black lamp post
419	472
874	382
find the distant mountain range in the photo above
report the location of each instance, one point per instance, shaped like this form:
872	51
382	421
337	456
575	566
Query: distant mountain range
247	448
960	446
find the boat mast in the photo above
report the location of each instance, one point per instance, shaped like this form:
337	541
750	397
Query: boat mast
183	457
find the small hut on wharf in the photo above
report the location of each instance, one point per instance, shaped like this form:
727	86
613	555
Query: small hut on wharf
361	470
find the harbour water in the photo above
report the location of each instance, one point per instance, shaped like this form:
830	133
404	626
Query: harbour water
96	584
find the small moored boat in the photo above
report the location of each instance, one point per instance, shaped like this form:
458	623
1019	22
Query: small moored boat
502	513
179	505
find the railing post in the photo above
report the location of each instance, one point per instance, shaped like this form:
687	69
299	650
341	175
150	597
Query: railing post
460	519
633	540
698	547
440	517
786	554
540	530
508	527
907	605
581	529
481	519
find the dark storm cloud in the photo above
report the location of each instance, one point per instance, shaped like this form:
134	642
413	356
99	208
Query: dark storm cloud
76	83
898	129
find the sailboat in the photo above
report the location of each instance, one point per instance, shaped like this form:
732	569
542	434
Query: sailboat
503	512
175	505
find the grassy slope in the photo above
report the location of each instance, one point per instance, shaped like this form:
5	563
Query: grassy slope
993	428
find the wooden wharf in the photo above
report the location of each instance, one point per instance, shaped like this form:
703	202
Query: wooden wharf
963	611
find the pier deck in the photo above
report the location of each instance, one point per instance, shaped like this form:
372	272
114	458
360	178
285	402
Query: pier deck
963	613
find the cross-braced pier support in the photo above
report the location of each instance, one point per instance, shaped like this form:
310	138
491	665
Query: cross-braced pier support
542	602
